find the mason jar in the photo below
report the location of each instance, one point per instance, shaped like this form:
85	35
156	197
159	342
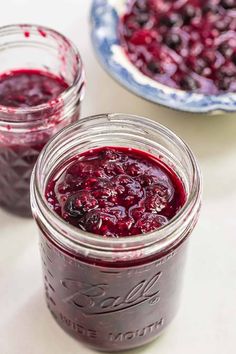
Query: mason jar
114	293
25	130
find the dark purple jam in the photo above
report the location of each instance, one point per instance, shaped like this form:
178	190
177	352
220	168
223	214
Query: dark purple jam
29	88
188	45
19	151
114	303
116	192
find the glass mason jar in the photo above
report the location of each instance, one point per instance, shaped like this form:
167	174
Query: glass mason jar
24	131
114	293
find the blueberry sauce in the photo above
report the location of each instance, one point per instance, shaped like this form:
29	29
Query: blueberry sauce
188	45
29	88
115	192
19	151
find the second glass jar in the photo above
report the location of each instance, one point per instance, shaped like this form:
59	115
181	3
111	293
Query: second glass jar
25	130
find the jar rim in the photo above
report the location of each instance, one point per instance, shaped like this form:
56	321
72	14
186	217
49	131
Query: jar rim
72	235
63	96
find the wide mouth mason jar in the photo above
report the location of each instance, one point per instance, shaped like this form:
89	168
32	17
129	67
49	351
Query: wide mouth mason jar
25	130
114	293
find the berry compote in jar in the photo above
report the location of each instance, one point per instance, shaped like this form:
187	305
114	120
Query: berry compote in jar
41	88
115	198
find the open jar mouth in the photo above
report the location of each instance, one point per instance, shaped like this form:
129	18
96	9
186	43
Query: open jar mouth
115	126
25	36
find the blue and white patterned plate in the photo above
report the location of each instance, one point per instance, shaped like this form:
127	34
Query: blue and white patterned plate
105	16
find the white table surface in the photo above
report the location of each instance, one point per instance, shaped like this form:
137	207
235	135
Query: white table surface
206	322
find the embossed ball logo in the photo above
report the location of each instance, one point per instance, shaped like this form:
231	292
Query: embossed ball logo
94	299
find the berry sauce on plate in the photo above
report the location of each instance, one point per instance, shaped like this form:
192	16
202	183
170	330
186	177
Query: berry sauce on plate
115	192
188	45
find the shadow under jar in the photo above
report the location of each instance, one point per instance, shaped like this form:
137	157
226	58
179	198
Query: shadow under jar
41	89
114	293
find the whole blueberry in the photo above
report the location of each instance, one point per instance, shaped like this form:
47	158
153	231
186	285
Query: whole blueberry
72	209
171	20
210	8
189	12
225	50
234	58
223	24
228	4
224	84
154	67
143	19
188	83
141	5
173	40
92	221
